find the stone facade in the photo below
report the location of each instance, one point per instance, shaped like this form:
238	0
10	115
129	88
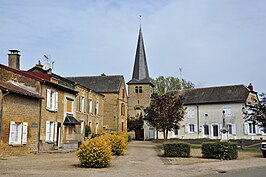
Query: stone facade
20	109
89	111
115	110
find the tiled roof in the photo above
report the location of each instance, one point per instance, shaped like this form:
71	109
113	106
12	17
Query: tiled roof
140	70
222	94
7	86
102	84
29	74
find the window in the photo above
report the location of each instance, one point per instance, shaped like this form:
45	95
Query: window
51	100
215	130
122	109
251	128
137	89
90	106
206	130
140	89
18	133
81	104
51	131
227	111
191	112
230	129
123	93
69	105
176	129
97	108
191	128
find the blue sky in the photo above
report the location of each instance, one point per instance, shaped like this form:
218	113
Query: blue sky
214	42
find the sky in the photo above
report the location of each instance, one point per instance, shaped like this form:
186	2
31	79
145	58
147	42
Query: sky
215	42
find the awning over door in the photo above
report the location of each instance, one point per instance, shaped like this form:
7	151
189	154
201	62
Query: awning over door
71	121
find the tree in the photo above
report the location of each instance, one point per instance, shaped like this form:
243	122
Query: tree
257	112
135	124
165	84
165	112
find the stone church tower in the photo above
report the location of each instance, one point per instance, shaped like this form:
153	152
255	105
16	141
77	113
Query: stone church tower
140	87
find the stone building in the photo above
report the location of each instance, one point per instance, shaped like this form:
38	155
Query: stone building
89	111
19	119
140	87
115	99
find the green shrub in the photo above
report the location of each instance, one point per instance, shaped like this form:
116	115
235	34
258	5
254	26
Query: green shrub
219	150
117	142
177	149
95	153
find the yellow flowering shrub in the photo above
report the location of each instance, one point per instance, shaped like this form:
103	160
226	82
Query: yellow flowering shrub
95	153
117	142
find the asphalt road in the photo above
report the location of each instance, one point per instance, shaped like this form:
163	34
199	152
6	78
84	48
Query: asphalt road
254	172
141	159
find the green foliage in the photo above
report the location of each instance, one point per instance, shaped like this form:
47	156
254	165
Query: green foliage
219	150
177	149
135	123
165	112
165	84
87	130
95	153
117	143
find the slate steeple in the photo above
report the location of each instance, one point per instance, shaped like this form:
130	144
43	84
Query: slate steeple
140	71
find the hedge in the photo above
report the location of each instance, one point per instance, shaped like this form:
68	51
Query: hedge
219	150
176	149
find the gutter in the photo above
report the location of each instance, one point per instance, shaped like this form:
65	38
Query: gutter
1	113
40	122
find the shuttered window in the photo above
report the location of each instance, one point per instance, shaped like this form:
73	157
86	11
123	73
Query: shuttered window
51	131
51	100
69	106
18	133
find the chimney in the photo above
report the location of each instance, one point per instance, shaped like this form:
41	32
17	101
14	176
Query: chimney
14	59
39	65
250	87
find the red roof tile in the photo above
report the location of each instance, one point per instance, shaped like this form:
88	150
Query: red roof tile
16	89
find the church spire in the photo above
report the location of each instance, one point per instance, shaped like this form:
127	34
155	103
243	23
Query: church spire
140	70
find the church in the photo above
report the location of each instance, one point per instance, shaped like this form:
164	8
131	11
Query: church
206	108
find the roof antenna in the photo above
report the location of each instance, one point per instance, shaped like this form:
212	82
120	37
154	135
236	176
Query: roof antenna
181	80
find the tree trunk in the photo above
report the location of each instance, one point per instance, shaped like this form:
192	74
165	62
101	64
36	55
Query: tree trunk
166	134
157	134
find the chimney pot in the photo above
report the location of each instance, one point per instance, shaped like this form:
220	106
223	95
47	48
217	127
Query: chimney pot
14	59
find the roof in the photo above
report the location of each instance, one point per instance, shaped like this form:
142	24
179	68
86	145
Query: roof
222	94
140	70
7	86
70	120
102	84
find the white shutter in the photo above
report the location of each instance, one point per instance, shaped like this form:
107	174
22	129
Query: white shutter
53	101
195	128
56	101
52	131
186	128
48	98
12	132
25	132
233	129
55	131
47	137
258	130
245	128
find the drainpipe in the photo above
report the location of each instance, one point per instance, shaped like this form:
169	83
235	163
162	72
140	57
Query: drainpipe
1	113
198	120
40	123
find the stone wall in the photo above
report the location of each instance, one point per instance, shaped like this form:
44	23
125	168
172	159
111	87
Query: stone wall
19	108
